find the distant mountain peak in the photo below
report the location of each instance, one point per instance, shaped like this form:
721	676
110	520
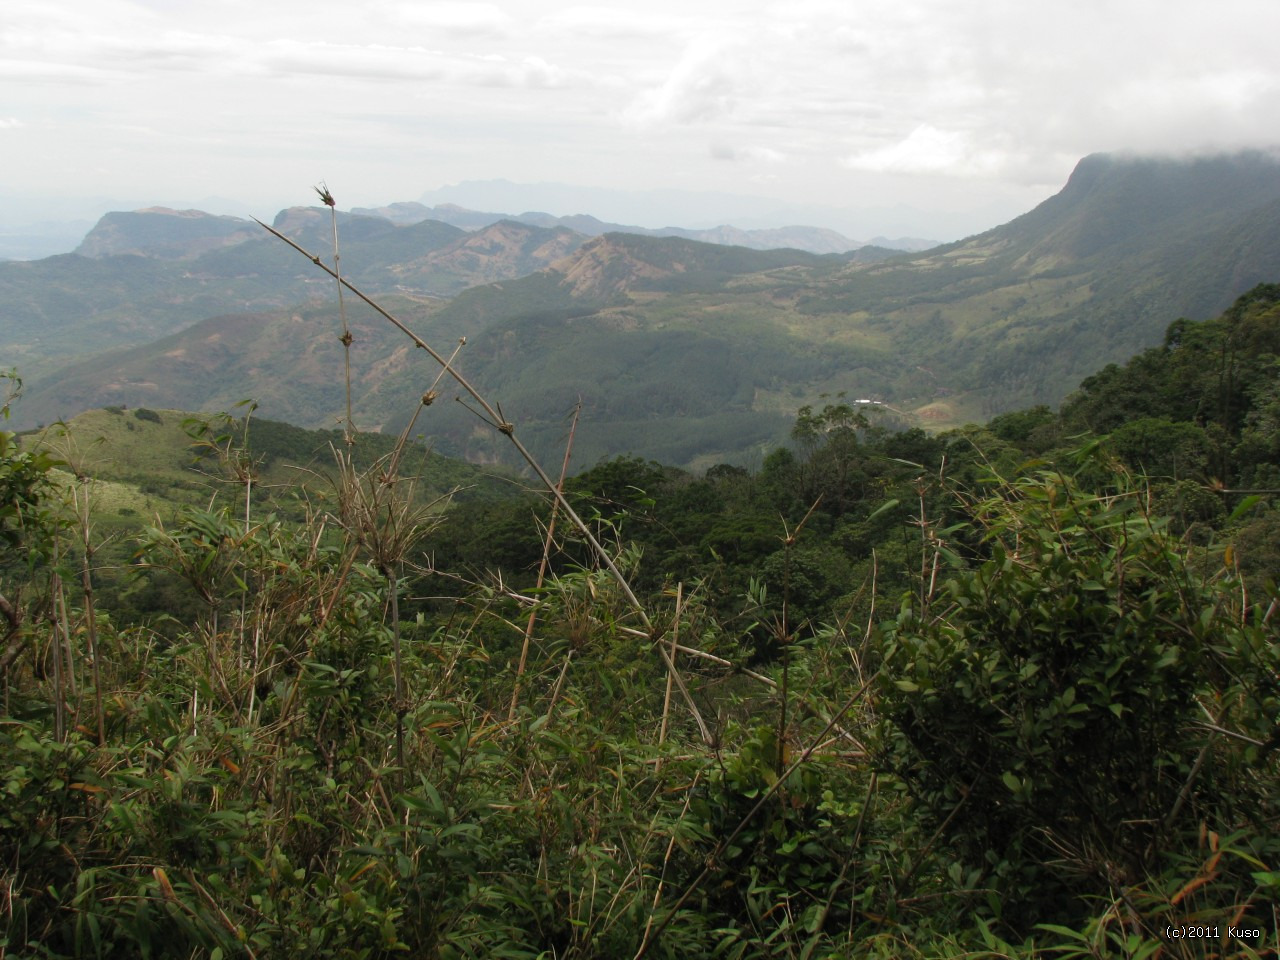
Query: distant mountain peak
1113	200
164	233
190	214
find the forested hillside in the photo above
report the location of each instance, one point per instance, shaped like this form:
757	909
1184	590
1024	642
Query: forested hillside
143	276
1005	691
685	352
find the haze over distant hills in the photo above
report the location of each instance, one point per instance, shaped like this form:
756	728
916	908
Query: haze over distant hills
143	274
812	239
855	213
147	274
684	351
166	233
32	228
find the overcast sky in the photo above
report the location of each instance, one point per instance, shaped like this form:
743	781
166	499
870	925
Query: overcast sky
974	112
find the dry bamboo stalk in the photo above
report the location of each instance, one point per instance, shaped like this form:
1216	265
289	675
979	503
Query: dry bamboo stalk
666	700
90	617
666	860
496	420
13	637
428	398
542	567
688	697
347	339
493	417
555	691
59	629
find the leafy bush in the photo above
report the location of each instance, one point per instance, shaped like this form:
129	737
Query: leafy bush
1044	710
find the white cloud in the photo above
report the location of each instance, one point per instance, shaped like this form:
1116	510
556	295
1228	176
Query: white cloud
373	61
927	149
44	71
283	59
618	24
817	95
704	84
464	19
536	72
720	151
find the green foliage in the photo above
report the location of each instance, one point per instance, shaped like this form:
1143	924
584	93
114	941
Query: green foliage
1160	448
25	486
1029	429
1215	375
1073	659
892	695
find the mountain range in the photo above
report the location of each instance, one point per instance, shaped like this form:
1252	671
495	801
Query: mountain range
679	350
812	239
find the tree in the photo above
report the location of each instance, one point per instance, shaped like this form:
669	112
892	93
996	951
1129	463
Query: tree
829	446
1160	448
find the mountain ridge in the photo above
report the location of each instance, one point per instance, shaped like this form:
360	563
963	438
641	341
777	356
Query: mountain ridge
810	239
684	350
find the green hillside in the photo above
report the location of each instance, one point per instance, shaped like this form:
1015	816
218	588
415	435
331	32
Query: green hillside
157	449
1002	692
143	469
154	273
149	465
697	353
291	359
1014	316
701	364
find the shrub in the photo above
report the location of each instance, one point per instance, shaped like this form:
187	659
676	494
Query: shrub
1043	718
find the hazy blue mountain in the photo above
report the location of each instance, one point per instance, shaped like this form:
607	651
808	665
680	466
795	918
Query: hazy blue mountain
44	238
810	239
161	232
855	212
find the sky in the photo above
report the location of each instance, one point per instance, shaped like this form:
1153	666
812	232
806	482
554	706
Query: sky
924	117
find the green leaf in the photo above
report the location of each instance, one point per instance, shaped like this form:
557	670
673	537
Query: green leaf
1243	507
1062	931
887	505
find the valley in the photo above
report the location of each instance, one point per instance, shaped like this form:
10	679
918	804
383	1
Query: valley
268	686
683	351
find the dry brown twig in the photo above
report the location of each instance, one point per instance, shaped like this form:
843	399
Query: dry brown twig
542	567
